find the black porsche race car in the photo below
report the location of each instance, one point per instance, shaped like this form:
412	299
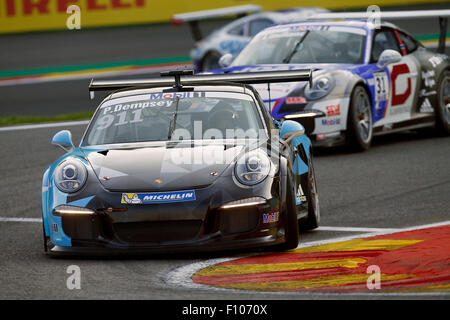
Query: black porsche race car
181	162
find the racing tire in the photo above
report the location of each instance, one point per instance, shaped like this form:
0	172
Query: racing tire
210	61
313	218
292	235
359	122
442	110
45	238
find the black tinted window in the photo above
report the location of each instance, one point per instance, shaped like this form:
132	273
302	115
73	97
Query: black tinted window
258	25
383	40
237	31
410	43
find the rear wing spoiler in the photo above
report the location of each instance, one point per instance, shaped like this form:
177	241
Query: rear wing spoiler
194	17
178	79
442	15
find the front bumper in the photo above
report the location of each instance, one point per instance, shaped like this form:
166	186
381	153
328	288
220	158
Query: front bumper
201	225
328	139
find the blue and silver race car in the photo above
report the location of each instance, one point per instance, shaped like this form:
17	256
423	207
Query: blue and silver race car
234	36
368	79
181	163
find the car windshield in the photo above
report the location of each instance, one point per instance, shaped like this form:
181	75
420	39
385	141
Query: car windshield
175	116
327	44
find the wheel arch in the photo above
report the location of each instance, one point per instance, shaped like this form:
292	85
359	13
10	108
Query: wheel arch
208	52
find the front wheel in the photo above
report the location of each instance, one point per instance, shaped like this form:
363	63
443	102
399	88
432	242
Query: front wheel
360	120
313	219
443	108
291	234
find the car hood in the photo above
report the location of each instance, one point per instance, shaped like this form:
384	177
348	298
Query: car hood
161	166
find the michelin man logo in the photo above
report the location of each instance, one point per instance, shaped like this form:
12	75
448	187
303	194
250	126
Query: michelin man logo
131	198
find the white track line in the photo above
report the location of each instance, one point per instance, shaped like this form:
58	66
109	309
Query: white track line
356	229
5	219
45	125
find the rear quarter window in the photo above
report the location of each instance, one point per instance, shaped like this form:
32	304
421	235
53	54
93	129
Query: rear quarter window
410	43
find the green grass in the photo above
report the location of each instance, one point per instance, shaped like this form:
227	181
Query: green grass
93	66
12	120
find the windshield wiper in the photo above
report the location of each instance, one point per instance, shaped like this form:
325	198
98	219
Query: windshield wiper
290	55
173	122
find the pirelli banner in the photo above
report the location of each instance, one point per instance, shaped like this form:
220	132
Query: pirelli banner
40	15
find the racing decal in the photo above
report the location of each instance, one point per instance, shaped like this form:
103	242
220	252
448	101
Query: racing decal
428	78
299	28
331	122
344	266
137	105
173	95
381	84
336	116
295	100
436	60
271	217
400	98
426	106
333	110
321	136
425	93
402	78
158	197
300	194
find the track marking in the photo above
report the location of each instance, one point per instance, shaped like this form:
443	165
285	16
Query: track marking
44	125
4	219
357	229
182	276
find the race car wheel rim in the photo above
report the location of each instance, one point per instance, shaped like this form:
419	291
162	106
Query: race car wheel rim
364	117
445	98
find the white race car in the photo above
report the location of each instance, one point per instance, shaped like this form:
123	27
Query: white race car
233	37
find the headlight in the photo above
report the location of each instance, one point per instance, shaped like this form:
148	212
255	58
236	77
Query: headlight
252	168
70	175
320	88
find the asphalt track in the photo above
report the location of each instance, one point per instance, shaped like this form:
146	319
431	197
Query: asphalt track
92	46
402	181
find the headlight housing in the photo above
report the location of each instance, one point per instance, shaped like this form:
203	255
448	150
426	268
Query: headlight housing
252	168
70	175
320	88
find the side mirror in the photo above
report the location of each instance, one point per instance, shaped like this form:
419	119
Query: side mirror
63	139
290	130
388	56
225	60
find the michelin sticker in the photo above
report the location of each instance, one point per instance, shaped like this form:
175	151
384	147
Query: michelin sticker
158	197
